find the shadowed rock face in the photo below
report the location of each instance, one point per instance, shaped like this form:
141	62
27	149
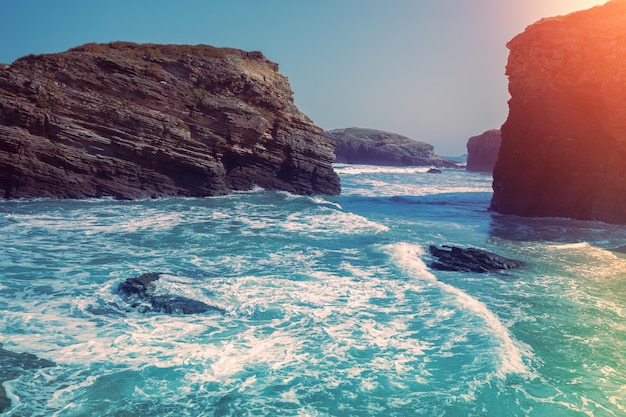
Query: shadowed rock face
563	149
482	151
374	147
137	121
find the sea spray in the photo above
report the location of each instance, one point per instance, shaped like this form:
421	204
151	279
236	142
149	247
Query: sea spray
330	306
409	258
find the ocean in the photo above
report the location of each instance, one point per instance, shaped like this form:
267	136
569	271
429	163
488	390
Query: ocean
330	306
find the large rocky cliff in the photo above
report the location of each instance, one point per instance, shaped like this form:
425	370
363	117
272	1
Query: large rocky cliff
563	149
136	121
375	147
482	151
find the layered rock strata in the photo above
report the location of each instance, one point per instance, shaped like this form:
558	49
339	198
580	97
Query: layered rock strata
136	121
563	149
375	147
482	151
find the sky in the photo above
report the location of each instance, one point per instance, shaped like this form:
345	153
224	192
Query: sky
432	70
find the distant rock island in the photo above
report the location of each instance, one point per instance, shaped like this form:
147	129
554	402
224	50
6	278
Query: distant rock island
564	143
482	151
140	120
375	147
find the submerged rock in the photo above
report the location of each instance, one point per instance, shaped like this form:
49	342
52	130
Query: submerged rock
132	121
140	293
375	147
453	258
563	151
12	365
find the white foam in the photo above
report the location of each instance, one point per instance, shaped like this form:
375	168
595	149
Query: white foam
379	188
408	257
90	223
376	181
152	221
332	221
323	202
589	262
342	169
569	246
256	189
60	397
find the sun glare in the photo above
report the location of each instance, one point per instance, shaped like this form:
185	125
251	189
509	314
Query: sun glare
561	7
575	5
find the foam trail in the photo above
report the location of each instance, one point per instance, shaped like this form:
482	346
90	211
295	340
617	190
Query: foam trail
375	169
408	257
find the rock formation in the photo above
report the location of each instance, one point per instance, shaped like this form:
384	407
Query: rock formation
374	147
482	151
141	293
563	149
452	258
135	121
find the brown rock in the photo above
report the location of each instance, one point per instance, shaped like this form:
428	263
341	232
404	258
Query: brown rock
137	121
563	147
482	151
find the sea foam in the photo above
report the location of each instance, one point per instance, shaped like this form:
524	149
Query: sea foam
408	257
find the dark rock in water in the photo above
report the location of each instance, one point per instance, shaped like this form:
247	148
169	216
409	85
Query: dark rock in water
138	285
173	304
139	292
12	365
375	147
483	150
563	148
434	171
142	121
453	258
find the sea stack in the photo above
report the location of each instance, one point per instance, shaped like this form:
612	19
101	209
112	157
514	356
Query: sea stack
482	151
141	121
563	149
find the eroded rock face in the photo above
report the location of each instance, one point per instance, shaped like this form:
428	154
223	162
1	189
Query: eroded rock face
375	147
482	151
563	149
137	121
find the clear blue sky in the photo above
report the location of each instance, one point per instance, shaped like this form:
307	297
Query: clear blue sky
432	70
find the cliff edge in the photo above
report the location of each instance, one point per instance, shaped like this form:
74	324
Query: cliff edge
563	149
139	121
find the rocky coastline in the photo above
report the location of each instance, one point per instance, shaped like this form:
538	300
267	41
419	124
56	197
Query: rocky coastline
134	121
375	147
563	151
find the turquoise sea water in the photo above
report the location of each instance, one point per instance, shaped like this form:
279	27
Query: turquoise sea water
331	308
